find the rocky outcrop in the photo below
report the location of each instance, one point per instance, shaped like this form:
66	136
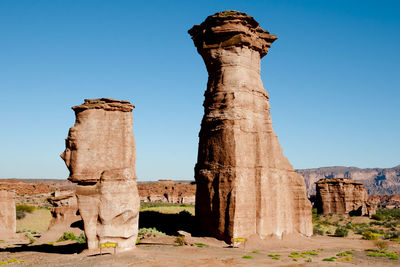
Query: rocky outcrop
342	195
245	185
378	181
65	216
8	219
100	155
167	191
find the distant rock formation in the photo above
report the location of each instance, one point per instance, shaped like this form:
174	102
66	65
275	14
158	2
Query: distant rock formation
343	195
100	155
245	185
378	181
8	225
167	191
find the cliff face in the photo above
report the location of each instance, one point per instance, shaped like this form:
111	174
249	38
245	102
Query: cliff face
377	181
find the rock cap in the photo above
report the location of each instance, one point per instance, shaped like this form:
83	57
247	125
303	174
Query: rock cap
106	104
231	28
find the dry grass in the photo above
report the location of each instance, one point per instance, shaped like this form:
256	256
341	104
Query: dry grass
38	220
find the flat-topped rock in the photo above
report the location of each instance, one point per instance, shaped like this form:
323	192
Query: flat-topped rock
100	155
343	195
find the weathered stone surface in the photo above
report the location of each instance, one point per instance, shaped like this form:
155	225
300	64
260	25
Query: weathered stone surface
342	195
65	215
245	185
8	219
100	154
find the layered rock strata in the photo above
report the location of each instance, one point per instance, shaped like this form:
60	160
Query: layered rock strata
100	155
8	223
245	185
342	195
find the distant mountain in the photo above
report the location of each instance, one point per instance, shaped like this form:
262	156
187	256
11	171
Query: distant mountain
378	181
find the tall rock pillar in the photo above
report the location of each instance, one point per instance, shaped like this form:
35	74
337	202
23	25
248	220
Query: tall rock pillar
245	185
100	155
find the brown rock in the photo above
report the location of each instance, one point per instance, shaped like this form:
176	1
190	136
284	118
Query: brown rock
342	195
245	185
65	215
167	191
100	154
8	219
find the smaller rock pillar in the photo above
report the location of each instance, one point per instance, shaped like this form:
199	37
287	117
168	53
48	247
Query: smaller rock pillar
8	224
100	155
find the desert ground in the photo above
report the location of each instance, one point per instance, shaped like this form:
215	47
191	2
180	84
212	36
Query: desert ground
160	244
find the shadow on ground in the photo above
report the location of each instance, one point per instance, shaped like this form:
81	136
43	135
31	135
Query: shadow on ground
61	249
168	223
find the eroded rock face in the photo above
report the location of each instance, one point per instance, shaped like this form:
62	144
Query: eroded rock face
65	215
342	195
100	154
8	219
245	185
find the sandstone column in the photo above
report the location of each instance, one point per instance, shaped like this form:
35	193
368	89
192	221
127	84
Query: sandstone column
100	155
8	223
245	185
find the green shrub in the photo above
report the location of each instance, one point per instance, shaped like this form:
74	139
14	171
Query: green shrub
149	232
255	251
274	256
201	245
20	214
67	236
341	231
180	240
378	217
381	245
247	257
368	235
330	259
25	208
31	238
81	239
318	230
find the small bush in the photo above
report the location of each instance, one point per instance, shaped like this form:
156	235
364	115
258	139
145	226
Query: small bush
81	239
378	217
255	251
274	256
25	208
368	235
149	232
318	230
330	259
67	236
20	214
381	245
341	231
31	238
180	240
247	257
201	245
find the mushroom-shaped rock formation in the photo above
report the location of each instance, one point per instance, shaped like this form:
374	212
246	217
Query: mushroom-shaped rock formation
343	195
100	155
245	185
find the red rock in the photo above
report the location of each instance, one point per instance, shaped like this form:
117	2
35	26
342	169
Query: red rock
100	154
8	219
342	195
245	185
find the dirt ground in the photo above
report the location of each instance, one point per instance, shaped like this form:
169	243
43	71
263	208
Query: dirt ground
200	251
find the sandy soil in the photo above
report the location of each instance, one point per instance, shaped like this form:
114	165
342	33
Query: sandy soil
163	251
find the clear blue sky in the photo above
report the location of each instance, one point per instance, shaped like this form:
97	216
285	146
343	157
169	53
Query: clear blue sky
333	77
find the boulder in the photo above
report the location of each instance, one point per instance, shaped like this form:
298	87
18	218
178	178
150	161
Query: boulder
245	185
